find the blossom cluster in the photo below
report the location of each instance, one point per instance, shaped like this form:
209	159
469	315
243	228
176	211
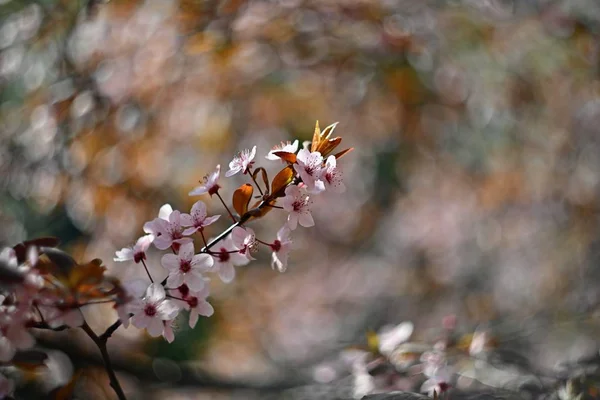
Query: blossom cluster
307	173
42	287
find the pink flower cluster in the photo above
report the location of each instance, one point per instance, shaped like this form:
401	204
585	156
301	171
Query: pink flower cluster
154	307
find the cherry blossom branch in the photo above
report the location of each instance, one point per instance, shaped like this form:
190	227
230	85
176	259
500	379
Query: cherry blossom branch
225	205
100	341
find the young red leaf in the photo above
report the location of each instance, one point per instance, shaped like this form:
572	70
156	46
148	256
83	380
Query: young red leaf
343	153
284	155
281	180
241	198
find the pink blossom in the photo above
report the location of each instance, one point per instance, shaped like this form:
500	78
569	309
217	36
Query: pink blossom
198	219
169	231
195	302
153	310
331	176
438	382
210	184
241	162
288	147
152	227
245	240
297	202
186	267
227	256
133	291
309	167
281	248
6	386
57	315
136	253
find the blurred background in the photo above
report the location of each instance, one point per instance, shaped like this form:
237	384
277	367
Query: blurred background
473	189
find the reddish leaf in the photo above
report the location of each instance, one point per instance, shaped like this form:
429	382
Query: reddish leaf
343	152
281	180
316	137
241	198
264	176
284	155
327	145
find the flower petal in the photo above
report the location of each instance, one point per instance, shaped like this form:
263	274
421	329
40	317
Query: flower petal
155	293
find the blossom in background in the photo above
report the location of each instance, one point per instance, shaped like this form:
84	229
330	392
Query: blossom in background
197	219
281	248
136	253
241	162
227	257
153	310
308	166
389	339
13	334
287	146
439	382
210	184
55	315
331	176
185	267
297	203
170	231
6	386
245	240
129	299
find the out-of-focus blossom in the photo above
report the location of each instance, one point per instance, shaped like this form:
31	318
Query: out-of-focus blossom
297	202
153	310
241	162
438	383
287	146
197	219
6	386
210	184
168	333
136	253
133	290
187	267
390	339
281	249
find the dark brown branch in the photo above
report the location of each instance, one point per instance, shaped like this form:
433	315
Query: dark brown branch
101	343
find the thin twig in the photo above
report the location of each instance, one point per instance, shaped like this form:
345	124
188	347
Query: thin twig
227	208
101	343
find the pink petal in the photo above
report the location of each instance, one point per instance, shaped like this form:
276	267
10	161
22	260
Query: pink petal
194	280
306	220
170	262
165	211
226	272
202	262
193	318
198	190
204	308
155	327
155	293
175	279
186	251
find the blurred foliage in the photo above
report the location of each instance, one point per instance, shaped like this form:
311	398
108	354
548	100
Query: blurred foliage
473	189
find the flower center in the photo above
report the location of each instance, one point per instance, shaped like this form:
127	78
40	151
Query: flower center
276	245
223	255
139	256
185	266
298	205
184	290
193	302
150	310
